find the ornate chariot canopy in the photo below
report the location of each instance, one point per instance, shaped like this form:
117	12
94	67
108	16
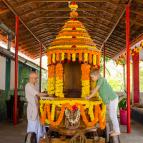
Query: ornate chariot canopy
73	42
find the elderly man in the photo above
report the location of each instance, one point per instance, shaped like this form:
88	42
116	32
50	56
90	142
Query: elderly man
32	95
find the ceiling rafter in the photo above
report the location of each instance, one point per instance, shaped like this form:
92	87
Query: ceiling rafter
33	1
63	10
21	20
31	44
65	18
29	40
3	11
109	42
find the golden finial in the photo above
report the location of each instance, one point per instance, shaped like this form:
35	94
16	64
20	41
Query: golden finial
73	6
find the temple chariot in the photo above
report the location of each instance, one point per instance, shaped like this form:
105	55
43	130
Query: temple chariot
71	57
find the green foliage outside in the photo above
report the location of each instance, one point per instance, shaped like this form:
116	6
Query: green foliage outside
114	74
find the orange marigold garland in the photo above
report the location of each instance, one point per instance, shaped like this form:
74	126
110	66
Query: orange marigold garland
102	116
69	56
60	118
57	56
98	60
99	114
92	123
90	58
43	111
80	56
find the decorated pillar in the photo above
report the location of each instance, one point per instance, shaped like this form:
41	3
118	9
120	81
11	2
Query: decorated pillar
135	58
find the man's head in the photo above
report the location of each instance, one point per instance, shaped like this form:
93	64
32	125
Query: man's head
33	77
95	75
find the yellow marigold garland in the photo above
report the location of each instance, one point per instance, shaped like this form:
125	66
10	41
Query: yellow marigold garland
59	80
85	68
85	57
62	56
74	57
54	58
94	60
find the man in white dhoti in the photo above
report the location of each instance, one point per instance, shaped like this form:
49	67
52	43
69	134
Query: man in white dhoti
32	95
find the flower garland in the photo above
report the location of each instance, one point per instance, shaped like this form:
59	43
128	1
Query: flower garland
94	60
57	57
94	121
99	112
59	80
69	56
80	56
53	58
60	118
51	79
90	58
86	56
62	56
102	116
122	58
85	68
74	57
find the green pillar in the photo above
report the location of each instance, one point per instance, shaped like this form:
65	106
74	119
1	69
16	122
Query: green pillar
7	78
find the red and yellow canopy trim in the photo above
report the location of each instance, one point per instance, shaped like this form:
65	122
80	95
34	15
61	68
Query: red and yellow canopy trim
121	58
82	55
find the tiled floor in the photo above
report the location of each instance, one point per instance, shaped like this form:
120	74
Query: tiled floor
11	134
136	135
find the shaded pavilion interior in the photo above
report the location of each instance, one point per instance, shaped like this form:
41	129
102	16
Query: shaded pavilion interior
103	19
41	20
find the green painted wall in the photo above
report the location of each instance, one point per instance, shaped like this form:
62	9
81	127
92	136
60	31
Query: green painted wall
3	94
8	67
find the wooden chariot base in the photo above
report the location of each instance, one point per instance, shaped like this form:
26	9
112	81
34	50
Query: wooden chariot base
56	140
61	140
73	136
